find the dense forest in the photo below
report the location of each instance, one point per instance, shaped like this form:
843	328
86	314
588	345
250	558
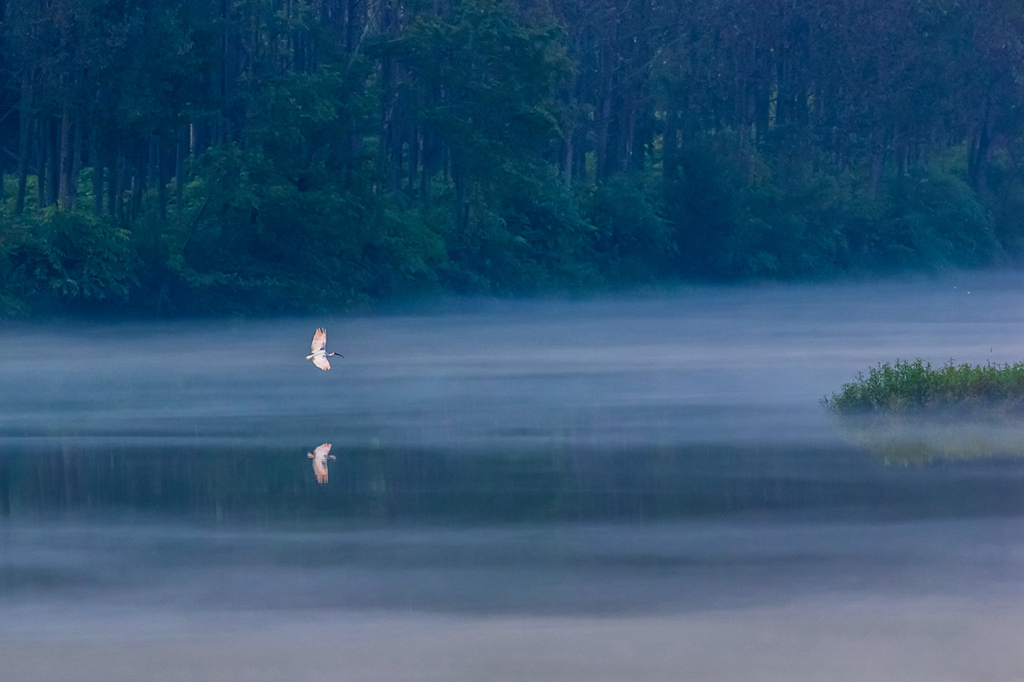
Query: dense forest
200	156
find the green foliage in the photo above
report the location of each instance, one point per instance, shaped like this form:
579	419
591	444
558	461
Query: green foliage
524	234
738	213
633	243
914	386
67	260
498	75
933	219
701	205
790	224
739	210
1005	201
255	236
268	155
552	242
12	289
252	239
403	252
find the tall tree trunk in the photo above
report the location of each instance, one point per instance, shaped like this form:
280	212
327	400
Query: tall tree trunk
53	162
41	162
113	183
26	122
118	176
97	172
138	182
425	168
570	133
603	146
64	159
415	158
224	47
76	163
152	162
978	151
877	143
567	158
161	184
634	142
580	153
461	203
181	151
607	63
669	148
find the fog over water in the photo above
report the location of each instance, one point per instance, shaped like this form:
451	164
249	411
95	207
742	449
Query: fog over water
641	488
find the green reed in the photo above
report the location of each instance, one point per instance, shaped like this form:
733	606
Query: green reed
905	386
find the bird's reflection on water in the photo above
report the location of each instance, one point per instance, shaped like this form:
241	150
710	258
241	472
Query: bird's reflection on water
320	456
268	484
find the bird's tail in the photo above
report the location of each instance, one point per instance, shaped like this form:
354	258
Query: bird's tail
309	357
309	454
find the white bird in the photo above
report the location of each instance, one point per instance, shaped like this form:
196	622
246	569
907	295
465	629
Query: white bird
320	457
319	355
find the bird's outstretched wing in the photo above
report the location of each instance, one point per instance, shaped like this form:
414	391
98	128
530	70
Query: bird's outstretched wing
320	360
319	342
322	450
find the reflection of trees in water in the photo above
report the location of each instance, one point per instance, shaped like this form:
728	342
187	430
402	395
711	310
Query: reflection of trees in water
277	484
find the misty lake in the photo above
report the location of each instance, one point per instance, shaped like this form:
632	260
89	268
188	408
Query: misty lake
625	488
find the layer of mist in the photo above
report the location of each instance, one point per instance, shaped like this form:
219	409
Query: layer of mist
635	487
699	365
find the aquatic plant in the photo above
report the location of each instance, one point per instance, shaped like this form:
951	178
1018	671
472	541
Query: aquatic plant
911	413
905	386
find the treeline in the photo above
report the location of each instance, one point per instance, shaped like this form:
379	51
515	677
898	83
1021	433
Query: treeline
181	156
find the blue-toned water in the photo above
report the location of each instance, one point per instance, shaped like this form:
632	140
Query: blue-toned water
629	488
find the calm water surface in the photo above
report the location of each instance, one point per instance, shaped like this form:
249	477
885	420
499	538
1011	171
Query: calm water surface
637	488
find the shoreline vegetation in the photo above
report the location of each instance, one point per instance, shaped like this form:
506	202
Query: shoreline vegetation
908	412
914	387
181	158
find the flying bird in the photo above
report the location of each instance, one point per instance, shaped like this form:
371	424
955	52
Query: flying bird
320	457
319	355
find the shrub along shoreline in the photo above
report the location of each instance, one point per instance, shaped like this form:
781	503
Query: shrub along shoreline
910	413
907	387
